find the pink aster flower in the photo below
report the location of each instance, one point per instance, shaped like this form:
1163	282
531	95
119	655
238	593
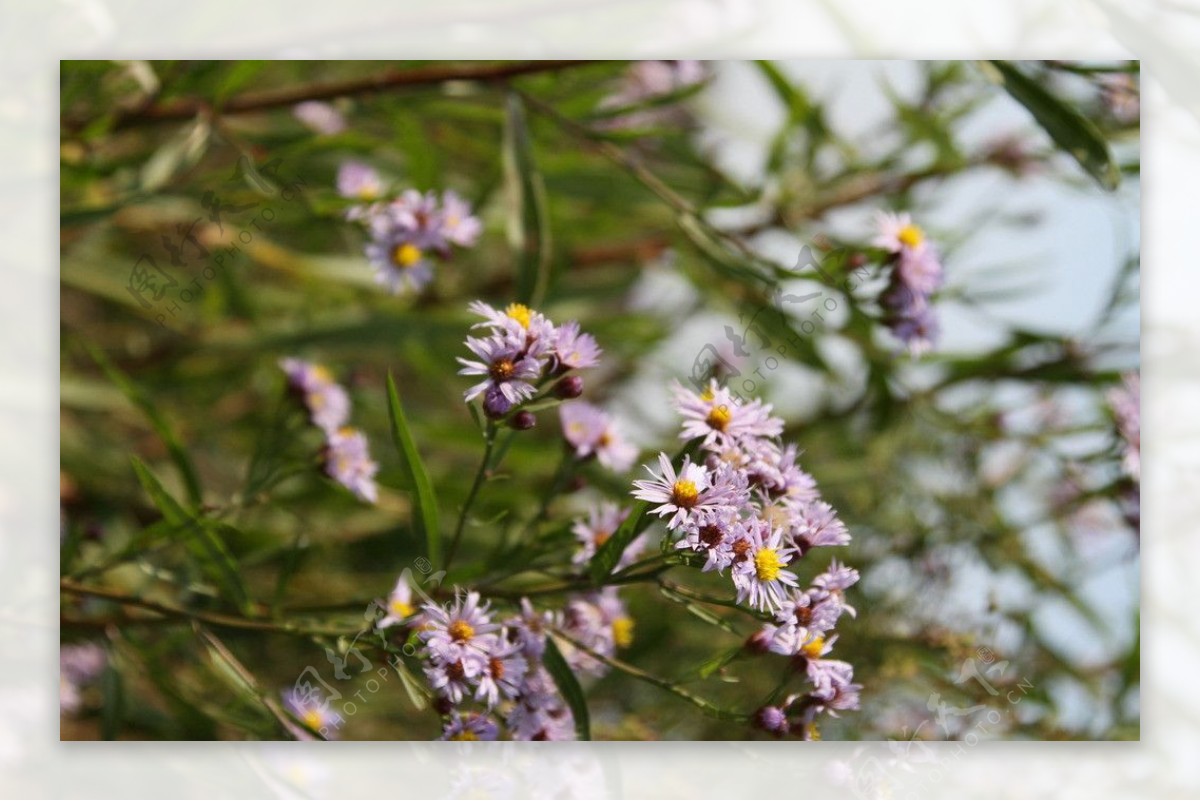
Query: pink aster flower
713	534
599	621
327	402
319	117
719	419
817	525
315	712
594	530
79	664
458	225
574	350
590	432
470	726
507	369
1126	404
896	233
461	631
920	269
539	712
348	462
358	181
501	676
400	607
760	577
693	490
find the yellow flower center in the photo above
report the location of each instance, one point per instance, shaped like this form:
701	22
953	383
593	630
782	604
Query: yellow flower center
519	312
461	630
502	370
406	255
719	417
601	537
707	395
400	609
368	193
684	493
767	564
321	373
911	236
466	735
812	649
622	630
312	719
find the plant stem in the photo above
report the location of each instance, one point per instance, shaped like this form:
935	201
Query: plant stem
703	703
189	615
186	108
480	476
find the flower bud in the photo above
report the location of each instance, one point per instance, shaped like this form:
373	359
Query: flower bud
569	387
771	719
523	421
495	405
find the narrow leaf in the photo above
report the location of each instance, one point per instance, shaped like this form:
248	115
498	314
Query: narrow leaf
1069	129
112	691
425	509
142	401
608	554
568	685
199	536
528	225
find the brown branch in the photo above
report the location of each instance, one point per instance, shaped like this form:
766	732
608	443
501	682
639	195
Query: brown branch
186	108
166	611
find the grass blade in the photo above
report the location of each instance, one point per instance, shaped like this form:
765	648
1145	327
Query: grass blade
1069	129
528	224
199	536
568	685
139	399
425	508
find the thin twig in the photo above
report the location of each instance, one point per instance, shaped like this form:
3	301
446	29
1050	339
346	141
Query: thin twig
190	615
616	664
186	108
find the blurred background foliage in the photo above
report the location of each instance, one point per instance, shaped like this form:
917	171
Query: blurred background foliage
207	553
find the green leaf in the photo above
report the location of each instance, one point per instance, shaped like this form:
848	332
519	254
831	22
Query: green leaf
164	431
425	509
528	226
568	685
199	536
608	554
1069	129
112	690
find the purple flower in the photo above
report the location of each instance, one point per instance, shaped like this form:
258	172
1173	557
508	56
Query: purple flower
599	621
400	263
462	631
79	664
327	402
315	713
772	720
759	575
818	525
358	181
471	726
348	462
716	417
897	233
574	350
1126	404
508	369
692	491
920	270
539	712
400	608
502	674
458	225
600	524
590	432
319	117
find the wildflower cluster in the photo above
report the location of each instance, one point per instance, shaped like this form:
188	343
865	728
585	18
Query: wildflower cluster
346	455
746	506
916	275
521	353
409	233
469	657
